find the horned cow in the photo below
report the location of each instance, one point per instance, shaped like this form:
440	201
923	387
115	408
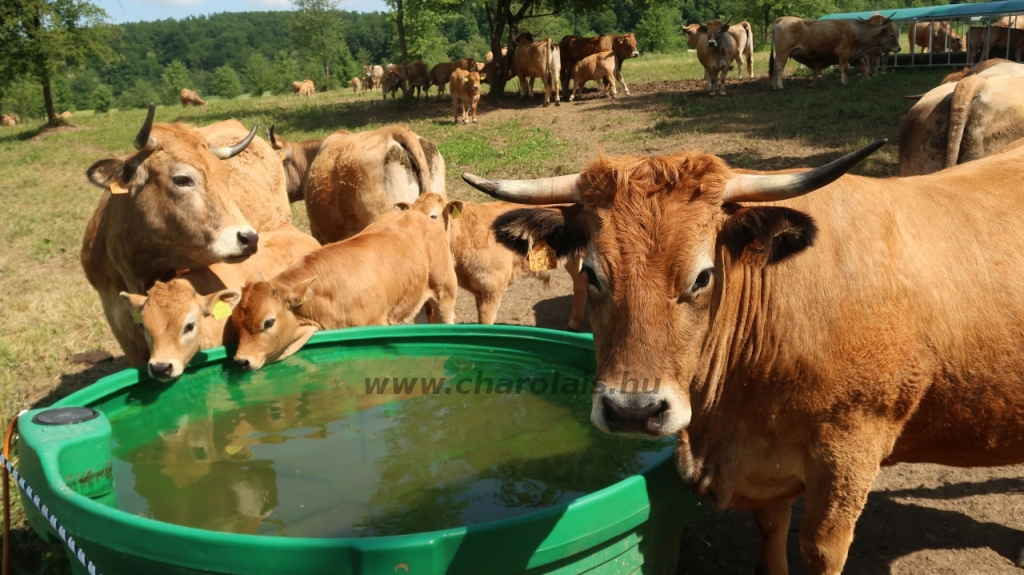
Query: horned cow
743	37
716	49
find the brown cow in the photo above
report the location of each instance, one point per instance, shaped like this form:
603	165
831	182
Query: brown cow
355	85
878	58
742	35
716	50
417	75
304	88
938	35
382	276
572	49
981	41
794	348
820	43
178	203
190	98
349	179
484	267
184	315
538	59
465	92
963	121
595	67
440	74
9	120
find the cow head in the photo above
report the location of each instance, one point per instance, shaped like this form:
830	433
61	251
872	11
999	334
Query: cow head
956	42
433	205
661	239
693	32
268	329
885	32
716	32
625	46
525	38
176	187
172	317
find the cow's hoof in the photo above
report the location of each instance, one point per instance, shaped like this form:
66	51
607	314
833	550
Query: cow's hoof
572	329
557	103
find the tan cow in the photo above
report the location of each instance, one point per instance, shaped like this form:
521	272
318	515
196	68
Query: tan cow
484	267
465	92
355	85
877	57
487	70
939	36
440	74
539	59
190	98
9	120
349	179
963	121
981	41
742	35
796	346
596	67
304	88
572	49
187	314
716	49
821	43
382	276
417	76
181	201
374	75
65	114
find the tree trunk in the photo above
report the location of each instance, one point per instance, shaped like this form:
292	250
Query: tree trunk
505	17
327	74
400	22
51	114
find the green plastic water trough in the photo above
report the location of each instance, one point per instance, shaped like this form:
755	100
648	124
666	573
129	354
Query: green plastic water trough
84	472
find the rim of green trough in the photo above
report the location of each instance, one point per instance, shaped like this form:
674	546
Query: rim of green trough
583	524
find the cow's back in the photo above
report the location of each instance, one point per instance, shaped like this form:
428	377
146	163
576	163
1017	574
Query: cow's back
257	180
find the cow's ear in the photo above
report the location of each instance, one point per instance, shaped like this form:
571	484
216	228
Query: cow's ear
768	235
254	277
561	227
299	293
402	206
702	28
222	303
105	172
133	302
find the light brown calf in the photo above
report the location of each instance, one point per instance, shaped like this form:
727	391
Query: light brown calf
355	85
304	88
190	98
465	92
484	267
441	73
9	120
595	67
382	276
189	313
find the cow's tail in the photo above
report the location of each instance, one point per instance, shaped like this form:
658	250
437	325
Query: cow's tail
555	67
771	61
411	143
959	111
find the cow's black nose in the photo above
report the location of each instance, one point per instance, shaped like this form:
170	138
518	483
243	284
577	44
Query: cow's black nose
243	363
248	241
646	419
160	368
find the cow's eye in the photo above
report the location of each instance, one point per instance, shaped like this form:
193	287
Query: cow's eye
591	277
703	279
269	323
433	216
183	181
189	327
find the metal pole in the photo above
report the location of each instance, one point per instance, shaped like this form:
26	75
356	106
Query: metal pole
913	42
931	46
988	40
1007	30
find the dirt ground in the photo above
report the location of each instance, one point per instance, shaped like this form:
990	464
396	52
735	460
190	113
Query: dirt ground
919	518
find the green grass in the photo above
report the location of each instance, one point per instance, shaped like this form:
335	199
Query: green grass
52	313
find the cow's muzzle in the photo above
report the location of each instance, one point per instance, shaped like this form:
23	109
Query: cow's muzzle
164	370
647	419
713	43
249	241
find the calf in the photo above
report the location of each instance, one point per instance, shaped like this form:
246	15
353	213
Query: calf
716	49
484	267
537	60
304	88
190	98
9	120
355	85
440	74
820	43
572	49
596	67
465	92
190	312
384	275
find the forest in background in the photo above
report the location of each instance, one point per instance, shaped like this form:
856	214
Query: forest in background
229	54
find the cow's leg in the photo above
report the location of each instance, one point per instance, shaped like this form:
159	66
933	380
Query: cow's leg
780	66
721	81
863	68
619	78
475	102
522	86
455	108
739	65
579	292
488	299
773	522
843	66
610	88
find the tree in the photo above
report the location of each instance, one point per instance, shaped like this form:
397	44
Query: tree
14	62
138	96
57	36
658	30
316	29
102	98
225	82
259	72
174	77
285	72
82	87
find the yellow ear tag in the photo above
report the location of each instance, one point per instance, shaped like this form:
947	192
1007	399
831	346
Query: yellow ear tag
137	317
115	188
283	158
456	212
233	449
756	254
221	310
542	257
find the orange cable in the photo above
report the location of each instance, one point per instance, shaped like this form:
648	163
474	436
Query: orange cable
7	497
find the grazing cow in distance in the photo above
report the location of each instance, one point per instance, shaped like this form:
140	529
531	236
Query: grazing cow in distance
65	114
485	267
572	49
190	98
382	276
742	35
349	179
538	59
304	88
465	92
963	121
716	49
982	40
179	202
355	85
188	313
595	67
878	58
724	316
9	120
942	37
821	43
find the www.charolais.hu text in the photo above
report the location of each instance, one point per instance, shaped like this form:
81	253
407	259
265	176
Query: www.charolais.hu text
554	383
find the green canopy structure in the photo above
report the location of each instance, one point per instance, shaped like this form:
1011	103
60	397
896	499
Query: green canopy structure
947	12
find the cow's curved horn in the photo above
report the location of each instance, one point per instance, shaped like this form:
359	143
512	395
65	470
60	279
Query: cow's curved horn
143	140
557	190
230	152
754	188
270	136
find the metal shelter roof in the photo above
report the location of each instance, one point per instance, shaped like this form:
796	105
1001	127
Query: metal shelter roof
946	12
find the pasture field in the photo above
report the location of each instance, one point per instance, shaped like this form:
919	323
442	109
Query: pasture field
919	519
